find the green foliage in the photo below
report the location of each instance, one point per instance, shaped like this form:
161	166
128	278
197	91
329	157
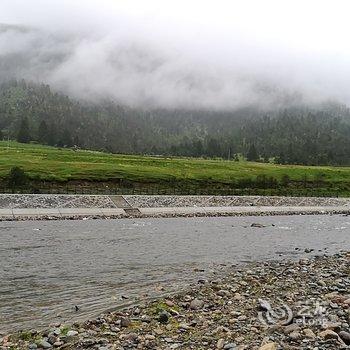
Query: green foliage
43	132
17	177
252	154
64	330
45	163
306	136
23	135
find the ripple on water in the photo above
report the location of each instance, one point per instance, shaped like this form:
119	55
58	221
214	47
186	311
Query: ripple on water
92	264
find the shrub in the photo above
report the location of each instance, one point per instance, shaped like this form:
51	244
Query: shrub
17	177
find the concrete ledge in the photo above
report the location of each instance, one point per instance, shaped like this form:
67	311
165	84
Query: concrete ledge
6	214
35	212
113	211
79	213
156	211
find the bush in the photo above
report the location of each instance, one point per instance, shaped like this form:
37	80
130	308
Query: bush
17	177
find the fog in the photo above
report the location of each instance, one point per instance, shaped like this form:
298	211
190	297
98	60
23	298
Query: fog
185	54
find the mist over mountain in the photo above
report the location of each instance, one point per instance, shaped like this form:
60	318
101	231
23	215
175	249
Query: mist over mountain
186	78
193	55
294	135
131	73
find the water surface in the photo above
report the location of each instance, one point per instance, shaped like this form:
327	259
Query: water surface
48	267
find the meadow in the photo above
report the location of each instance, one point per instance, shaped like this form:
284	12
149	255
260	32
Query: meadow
62	165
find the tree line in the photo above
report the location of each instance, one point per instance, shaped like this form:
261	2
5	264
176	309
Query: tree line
318	135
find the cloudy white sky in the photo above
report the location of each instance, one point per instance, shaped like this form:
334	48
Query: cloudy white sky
208	53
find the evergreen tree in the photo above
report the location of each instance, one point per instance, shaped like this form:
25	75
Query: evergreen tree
52	135
43	132
23	135
252	154
65	139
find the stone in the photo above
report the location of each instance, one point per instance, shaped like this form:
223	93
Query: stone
223	293
230	346
72	333
291	328
295	335
169	303
196	304
255	224
52	339
220	343
345	337
334	326
44	344
131	336
269	346
158	331
150	337
309	333
328	334
87	342
238	297
125	322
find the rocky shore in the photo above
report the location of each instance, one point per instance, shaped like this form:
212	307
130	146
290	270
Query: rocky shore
302	304
17	207
228	201
142	201
158	213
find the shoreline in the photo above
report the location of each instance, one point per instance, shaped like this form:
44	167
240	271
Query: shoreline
16	207
269	305
187	214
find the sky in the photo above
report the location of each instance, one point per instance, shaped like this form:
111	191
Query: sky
196	54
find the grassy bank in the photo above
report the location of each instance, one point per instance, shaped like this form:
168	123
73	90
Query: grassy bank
62	166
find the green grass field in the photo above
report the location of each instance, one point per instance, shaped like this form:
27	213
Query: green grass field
61	165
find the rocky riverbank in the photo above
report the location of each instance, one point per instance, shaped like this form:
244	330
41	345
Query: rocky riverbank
175	212
30	201
77	207
266	306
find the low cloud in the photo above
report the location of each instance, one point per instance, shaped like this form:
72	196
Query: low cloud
192	54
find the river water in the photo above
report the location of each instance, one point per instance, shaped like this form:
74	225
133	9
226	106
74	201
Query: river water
48	267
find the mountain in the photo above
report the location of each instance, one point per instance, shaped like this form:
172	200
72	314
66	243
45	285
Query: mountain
295	135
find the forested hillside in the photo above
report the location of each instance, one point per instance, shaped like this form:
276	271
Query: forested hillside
312	136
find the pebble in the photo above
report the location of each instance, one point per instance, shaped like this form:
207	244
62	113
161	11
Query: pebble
72	333
220	344
309	333
125	322
328	334
44	344
196	304
295	335
345	336
223	313
269	346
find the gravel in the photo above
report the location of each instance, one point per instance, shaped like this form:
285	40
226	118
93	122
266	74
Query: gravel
260	306
227	201
90	201
54	201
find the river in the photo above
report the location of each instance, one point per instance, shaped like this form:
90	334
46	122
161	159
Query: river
48	267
